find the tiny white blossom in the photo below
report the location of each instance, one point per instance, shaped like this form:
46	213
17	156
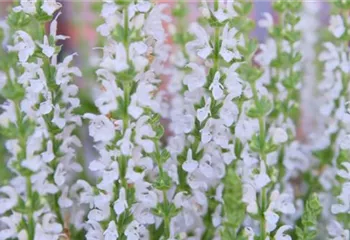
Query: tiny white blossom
50	6
115	57
216	87
100	128
344	200
271	220
8	198
189	165
27	6
204	112
229	112
24	45
345	142
46	48
121	204
228	50
279	136
201	44
345	173
280	234
196	78
111	232
336	26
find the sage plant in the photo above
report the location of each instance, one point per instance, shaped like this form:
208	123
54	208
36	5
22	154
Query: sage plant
38	121
255	143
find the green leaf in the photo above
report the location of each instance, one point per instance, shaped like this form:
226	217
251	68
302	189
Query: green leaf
234	208
163	182
262	109
308	229
164	156
21	206
292	81
238	148
13	91
255	144
18	19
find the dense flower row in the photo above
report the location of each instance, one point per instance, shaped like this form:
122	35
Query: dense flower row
237	163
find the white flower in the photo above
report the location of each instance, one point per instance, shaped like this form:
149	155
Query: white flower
220	15
201	44
261	179
204	112
154	23
184	124
143	129
50	6
64	72
246	128
336	26
111	232
206	166
27	6
137	51
249	197
107	99
33	163
50	225
24	45
99	214
108	12
8	228
57	119
337	231
344	199
208	131
125	143
345	142
229	112
93	230
82	191
345	173
228	50
282	202
267	21
249	232
100	128
136	231
8	198
53	29
189	165
121	204
196	78
280	235
279	136
222	135
109	175
114	57
216	87
63	200
46	48
60	175
271	220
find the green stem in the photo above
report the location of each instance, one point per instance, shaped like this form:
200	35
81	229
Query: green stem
31	223
262	154
262	214
126	28
22	143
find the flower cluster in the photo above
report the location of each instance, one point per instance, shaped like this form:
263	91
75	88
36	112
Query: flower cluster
38	122
238	157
